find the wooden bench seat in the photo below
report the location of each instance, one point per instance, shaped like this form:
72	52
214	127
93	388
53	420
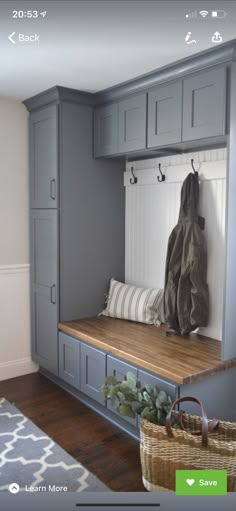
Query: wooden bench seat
180	359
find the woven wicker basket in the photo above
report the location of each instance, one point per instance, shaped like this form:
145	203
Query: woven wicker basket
196	444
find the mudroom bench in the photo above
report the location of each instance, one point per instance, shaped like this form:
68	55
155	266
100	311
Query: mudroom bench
90	349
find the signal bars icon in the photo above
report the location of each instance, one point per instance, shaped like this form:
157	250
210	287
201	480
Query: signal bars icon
191	15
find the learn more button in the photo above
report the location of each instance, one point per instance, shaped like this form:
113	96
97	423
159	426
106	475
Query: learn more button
201	482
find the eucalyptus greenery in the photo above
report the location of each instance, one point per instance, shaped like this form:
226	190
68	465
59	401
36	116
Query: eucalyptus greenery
130	399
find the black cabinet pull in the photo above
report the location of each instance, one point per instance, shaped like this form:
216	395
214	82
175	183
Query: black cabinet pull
53	189
53	294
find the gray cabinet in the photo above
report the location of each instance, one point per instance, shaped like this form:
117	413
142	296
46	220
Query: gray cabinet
119	368
93	372
204	98
44	288
73	250
165	114
69	360
44	158
105	130
132	114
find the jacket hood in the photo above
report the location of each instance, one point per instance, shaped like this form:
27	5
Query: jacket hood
189	199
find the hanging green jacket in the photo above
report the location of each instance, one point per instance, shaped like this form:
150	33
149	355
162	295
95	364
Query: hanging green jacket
186	299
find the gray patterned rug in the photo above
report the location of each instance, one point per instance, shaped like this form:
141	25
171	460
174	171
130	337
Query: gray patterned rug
32	461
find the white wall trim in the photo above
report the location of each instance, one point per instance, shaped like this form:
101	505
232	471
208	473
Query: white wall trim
180	159
16	368
14	268
176	173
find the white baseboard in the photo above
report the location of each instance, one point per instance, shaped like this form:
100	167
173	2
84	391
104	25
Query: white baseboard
17	368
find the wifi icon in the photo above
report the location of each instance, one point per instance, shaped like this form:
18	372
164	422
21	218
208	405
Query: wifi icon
204	13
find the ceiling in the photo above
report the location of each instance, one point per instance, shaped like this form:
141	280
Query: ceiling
92	45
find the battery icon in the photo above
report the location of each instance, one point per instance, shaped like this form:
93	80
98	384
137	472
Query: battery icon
218	14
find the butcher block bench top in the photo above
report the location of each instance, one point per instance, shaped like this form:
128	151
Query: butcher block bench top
182	360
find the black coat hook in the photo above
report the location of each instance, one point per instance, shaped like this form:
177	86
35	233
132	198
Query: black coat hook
135	179
163	177
195	171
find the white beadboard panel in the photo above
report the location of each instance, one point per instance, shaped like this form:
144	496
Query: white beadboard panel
152	211
15	358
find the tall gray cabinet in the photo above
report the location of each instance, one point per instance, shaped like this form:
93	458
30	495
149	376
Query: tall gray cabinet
77	218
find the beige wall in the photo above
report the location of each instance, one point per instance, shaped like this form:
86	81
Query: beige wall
14	177
15	356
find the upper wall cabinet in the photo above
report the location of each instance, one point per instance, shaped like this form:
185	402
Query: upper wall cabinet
132	114
105	130
165	114
44	158
204	98
175	112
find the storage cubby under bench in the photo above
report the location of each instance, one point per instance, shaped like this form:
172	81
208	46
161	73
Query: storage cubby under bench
90	349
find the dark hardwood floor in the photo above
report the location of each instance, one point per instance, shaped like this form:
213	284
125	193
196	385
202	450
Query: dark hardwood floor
101	447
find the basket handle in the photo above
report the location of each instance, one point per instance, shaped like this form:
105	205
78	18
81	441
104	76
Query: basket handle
206	425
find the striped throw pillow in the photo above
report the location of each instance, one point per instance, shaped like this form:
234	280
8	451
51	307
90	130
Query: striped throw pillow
134	303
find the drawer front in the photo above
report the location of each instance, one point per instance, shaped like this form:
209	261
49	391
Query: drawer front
93	372
105	130
204	101
165	115
132	116
118	368
155	381
69	360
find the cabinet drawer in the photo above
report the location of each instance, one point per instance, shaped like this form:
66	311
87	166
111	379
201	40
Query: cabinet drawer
154	381
118	368
105	130
165	114
69	360
132	115
204	100
93	372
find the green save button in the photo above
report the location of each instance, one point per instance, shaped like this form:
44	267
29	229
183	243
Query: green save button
201	482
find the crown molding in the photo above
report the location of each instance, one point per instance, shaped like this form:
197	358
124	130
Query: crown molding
56	95
206	59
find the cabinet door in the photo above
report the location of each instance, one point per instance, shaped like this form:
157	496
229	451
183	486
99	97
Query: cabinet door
204	99
132	117
44	158
105	130
118	368
93	372
69	360
165	114
44	288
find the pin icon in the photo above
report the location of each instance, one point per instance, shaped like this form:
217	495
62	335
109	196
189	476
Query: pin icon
14	488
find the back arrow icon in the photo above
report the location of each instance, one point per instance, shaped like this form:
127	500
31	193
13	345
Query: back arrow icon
10	38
